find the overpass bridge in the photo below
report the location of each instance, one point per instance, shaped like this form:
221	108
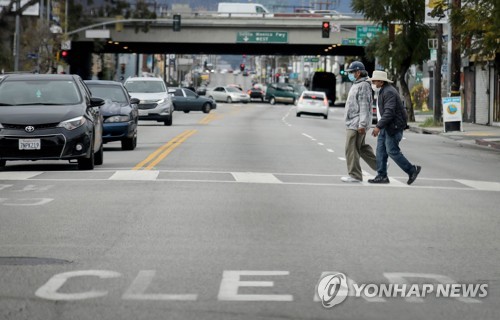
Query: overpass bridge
211	34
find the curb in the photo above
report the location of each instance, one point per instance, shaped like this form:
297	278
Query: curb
424	130
492	143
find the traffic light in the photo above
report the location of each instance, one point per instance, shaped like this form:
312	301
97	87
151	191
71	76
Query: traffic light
65	56
343	73
176	26
242	67
325	29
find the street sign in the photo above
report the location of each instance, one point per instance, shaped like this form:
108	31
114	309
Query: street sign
66	45
349	42
365	33
262	37
311	59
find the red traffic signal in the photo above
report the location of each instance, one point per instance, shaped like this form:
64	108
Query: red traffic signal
325	29
242	67
64	53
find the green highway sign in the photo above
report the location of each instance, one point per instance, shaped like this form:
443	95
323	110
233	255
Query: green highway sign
311	59
349	42
262	37
366	33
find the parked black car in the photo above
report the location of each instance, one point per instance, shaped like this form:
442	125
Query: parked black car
49	117
186	100
256	93
120	112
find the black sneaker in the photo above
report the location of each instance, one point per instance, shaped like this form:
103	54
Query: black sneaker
379	179
414	175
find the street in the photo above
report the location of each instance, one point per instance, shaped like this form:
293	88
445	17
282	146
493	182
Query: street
237	214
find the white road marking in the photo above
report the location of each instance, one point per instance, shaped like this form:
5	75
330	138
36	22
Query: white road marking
231	281
321	143
481	185
341	159
25	202
137	291
255	177
49	289
19	175
330	150
135	175
306	135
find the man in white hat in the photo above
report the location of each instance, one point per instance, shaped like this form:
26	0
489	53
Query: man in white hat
392	120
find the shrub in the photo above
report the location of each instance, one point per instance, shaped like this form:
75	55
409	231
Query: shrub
419	96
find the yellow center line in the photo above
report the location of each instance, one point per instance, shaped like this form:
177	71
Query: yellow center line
169	149
158	152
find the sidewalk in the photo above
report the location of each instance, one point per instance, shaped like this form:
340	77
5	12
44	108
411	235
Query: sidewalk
488	136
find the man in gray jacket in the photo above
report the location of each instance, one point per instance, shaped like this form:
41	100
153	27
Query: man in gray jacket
389	129
358	117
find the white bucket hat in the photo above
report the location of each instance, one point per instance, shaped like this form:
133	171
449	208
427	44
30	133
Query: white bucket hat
380	76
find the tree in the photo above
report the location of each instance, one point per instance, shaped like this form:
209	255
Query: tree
397	52
478	24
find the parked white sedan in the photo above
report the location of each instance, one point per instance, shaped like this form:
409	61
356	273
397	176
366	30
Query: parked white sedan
227	94
313	103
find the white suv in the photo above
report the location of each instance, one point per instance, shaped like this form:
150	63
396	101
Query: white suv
155	102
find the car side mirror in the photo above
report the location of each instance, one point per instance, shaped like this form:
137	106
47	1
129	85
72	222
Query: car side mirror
134	101
96	102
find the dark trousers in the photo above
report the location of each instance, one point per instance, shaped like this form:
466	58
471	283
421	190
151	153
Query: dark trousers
388	146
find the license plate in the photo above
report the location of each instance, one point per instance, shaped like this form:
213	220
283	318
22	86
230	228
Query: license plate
30	144
143	113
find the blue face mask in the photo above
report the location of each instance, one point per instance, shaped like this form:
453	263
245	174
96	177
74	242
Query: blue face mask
351	77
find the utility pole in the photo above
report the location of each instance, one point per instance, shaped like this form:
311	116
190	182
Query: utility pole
17	38
455	55
437	74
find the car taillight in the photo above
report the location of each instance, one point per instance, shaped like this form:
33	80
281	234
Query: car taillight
325	102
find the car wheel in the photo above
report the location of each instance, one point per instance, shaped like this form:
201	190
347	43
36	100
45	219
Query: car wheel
99	156
2	164
186	111
262	99
87	163
168	122
210	97
272	101
298	114
325	116
129	143
206	107
229	100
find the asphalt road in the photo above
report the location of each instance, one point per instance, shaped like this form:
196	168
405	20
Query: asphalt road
237	215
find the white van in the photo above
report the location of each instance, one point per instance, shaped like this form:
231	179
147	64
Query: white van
227	9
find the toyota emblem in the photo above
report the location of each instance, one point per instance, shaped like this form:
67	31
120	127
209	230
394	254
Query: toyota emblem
29	129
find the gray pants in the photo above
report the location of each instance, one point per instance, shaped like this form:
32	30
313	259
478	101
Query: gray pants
355	148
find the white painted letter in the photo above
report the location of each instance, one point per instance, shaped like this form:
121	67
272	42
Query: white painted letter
49	290
140	285
231	282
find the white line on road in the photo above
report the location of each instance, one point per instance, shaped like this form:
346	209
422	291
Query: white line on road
341	159
330	150
255	177
18	175
135	175
306	135
481	185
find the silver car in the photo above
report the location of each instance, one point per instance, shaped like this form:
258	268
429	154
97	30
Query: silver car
155	102
228	94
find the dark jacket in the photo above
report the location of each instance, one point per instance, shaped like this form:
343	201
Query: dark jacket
392	111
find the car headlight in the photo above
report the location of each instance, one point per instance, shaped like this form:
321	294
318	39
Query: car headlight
118	119
161	101
72	124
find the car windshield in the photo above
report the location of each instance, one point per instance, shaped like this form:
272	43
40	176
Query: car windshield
232	89
145	86
38	92
113	93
